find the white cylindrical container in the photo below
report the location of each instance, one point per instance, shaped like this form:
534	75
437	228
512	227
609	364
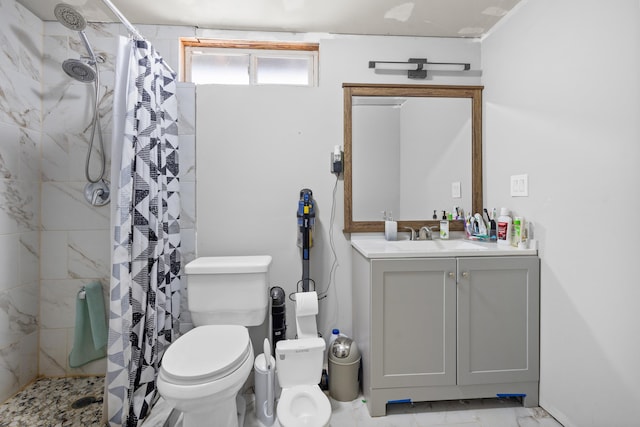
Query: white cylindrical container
504	227
391	230
264	382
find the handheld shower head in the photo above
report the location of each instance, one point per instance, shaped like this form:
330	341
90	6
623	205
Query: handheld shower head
69	17
79	70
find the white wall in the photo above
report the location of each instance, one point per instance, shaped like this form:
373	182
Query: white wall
562	104
258	146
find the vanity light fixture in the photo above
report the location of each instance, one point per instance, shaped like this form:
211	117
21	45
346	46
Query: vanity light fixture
417	67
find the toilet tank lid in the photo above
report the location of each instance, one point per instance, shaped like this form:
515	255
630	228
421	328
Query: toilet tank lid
229	264
289	346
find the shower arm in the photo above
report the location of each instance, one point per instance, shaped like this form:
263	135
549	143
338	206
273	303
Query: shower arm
123	19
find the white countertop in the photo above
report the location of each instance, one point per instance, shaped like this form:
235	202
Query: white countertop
377	247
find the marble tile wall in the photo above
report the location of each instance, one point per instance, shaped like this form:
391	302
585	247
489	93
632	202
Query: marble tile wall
20	143
75	238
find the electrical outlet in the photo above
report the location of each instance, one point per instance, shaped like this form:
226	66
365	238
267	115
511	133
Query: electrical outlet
456	190
520	185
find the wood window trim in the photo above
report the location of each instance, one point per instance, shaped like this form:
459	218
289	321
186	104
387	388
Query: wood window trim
240	44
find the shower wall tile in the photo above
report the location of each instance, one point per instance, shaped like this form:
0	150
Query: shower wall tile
56	50
89	254
20	41
53	259
187	158
186	109
29	257
188	200
9	261
10	357
58	303
53	352
67	209
20	134
18	313
20	103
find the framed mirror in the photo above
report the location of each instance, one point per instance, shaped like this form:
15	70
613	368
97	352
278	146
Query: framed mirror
411	150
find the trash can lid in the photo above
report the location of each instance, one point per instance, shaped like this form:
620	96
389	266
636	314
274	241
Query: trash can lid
343	351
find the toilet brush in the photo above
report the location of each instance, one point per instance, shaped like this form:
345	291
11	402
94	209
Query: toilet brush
268	404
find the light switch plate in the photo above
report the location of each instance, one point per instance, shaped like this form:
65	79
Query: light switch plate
520	185
456	190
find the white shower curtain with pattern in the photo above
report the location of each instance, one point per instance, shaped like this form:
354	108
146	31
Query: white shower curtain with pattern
145	278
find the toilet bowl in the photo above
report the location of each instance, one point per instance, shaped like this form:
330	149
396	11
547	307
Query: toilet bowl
299	368
200	380
304	405
203	371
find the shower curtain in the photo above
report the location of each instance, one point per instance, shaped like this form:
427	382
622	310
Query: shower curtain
145	277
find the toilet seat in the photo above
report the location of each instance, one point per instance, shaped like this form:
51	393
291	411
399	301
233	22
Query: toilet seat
206	353
303	405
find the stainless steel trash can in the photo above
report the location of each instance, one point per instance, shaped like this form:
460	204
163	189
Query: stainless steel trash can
344	369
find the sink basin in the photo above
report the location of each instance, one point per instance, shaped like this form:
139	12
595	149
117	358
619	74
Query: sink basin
436	245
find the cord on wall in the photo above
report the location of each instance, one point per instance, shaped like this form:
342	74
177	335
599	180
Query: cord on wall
334	265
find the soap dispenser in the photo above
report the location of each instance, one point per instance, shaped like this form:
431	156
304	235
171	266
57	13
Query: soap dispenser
390	226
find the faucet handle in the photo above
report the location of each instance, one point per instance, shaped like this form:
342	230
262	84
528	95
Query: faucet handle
413	233
426	232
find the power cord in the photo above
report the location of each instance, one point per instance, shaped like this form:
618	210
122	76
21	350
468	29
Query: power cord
334	265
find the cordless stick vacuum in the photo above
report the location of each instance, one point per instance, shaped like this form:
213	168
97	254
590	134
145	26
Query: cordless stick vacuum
306	221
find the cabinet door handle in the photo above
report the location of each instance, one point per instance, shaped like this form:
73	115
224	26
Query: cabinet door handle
451	274
465	274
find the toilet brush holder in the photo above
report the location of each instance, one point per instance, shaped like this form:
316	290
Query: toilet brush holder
264	377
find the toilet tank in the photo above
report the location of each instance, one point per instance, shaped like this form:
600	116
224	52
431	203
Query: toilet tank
299	362
232	290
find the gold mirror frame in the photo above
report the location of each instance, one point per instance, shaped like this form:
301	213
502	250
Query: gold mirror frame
472	92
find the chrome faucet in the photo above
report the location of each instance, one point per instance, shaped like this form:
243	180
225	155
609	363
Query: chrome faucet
426	233
413	233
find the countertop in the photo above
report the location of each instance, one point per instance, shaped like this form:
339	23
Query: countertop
377	247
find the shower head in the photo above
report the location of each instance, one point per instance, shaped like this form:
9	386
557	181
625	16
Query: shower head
79	70
69	17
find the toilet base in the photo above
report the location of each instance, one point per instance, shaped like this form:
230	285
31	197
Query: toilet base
201	419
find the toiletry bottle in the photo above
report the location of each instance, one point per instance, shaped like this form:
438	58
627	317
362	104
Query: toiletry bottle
444	229
515	234
504	227
390	227
518	231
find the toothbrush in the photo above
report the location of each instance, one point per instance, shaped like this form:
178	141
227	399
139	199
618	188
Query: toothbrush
488	218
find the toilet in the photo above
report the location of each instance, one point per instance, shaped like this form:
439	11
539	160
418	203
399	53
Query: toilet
299	368
203	371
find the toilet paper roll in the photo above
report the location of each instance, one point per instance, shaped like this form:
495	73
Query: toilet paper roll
306	304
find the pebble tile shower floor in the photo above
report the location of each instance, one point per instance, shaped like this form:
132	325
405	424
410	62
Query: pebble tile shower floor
48	402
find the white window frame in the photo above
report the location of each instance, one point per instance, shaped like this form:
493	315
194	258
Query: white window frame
255	50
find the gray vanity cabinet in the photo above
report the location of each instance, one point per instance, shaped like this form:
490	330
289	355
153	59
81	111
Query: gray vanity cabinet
446	328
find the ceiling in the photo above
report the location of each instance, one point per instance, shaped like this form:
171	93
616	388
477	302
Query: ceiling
435	18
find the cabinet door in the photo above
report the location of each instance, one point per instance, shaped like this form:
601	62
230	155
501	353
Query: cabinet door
498	320
413	322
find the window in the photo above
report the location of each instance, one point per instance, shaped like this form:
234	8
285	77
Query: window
250	63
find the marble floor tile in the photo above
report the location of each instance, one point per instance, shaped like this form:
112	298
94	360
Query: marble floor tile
465	413
48	402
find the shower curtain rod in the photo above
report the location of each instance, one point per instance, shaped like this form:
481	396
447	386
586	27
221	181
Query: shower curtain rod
123	19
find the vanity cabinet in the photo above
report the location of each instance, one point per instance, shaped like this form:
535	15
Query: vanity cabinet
446	328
